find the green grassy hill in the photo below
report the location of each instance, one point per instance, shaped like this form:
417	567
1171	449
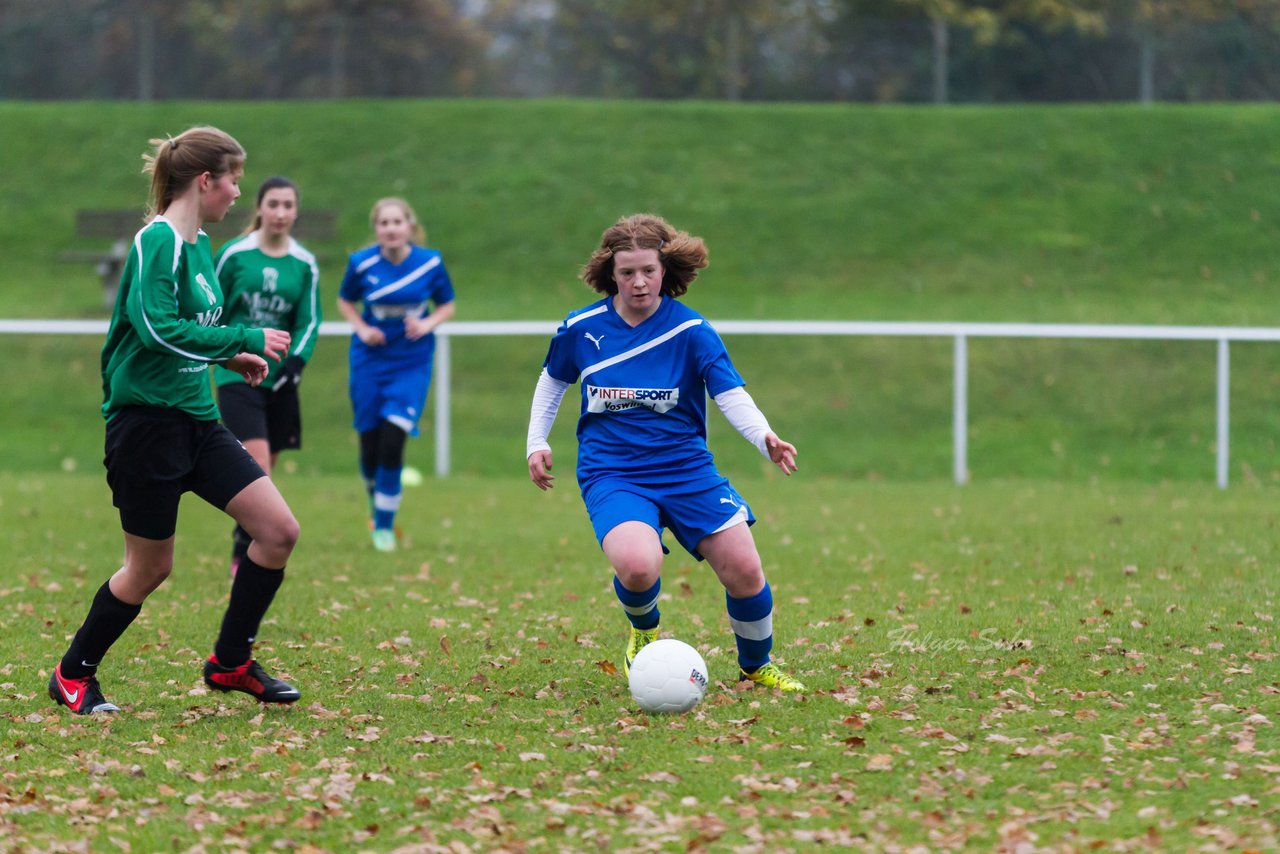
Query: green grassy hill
1048	214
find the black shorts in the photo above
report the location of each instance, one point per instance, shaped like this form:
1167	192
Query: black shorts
260	413
155	455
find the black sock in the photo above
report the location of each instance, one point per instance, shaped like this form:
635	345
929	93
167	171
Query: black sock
108	618
240	541
251	595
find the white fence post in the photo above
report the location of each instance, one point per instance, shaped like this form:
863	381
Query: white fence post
1224	411
444	371
960	411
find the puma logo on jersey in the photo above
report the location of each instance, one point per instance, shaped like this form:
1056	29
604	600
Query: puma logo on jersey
728	501
593	339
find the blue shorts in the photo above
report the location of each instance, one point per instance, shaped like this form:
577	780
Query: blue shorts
691	510
395	392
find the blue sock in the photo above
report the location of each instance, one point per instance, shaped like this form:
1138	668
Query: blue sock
642	607
386	497
752	622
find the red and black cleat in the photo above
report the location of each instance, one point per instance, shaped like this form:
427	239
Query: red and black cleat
82	696
249	678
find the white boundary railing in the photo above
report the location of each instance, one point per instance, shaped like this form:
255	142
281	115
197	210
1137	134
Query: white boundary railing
960	333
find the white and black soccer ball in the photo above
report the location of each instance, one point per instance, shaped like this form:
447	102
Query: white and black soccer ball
668	676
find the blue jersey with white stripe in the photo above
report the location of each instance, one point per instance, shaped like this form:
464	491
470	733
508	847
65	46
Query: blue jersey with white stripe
391	292
644	390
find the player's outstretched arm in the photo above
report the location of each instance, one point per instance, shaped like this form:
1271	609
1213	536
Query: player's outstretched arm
747	419
542	414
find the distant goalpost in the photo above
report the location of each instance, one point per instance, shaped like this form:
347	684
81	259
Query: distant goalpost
959	333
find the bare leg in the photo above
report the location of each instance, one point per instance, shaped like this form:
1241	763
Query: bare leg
733	556
635	553
147	563
261	510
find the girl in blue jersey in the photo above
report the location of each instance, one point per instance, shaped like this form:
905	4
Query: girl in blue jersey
163	436
646	364
406	293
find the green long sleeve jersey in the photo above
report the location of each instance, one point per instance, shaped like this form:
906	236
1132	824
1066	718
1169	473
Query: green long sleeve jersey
165	330
267	292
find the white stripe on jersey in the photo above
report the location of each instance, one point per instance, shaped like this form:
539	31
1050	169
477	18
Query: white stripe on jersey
400	283
585	315
177	255
636	351
297	250
245	245
368	262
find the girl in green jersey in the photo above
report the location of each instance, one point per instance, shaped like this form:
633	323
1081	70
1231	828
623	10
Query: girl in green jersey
269	280
163	437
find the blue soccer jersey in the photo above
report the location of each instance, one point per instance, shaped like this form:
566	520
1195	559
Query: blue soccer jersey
644	390
392	292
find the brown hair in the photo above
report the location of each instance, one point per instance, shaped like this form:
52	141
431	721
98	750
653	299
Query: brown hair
275	182
417	233
682	255
179	160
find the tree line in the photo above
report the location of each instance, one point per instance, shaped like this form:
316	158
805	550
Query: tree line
968	51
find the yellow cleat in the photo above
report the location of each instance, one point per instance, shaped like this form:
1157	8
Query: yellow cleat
771	676
640	638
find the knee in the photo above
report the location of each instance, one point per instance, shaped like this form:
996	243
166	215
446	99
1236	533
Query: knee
638	572
749	580
150	574
742	577
281	536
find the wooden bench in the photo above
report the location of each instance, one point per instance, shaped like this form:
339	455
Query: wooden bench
119	226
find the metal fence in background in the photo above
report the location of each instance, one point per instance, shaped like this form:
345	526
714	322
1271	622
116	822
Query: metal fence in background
960	333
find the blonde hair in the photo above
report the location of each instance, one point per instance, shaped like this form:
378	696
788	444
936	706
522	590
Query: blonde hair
178	160
417	234
682	255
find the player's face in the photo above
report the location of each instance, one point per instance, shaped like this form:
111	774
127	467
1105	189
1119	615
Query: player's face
220	194
392	228
279	210
638	275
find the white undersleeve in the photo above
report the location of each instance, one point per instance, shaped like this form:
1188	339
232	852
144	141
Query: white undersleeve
745	416
542	413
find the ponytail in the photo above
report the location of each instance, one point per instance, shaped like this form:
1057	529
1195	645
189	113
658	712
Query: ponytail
178	160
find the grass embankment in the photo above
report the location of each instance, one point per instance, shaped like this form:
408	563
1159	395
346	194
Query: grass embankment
1048	214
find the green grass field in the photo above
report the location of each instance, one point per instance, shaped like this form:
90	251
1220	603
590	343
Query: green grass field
1077	651
1004	664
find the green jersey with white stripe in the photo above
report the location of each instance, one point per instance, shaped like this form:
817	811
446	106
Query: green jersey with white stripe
274	293
166	327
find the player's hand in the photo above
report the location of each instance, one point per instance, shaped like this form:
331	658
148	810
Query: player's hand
371	335
540	470
418	327
782	453
276	344
252	368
